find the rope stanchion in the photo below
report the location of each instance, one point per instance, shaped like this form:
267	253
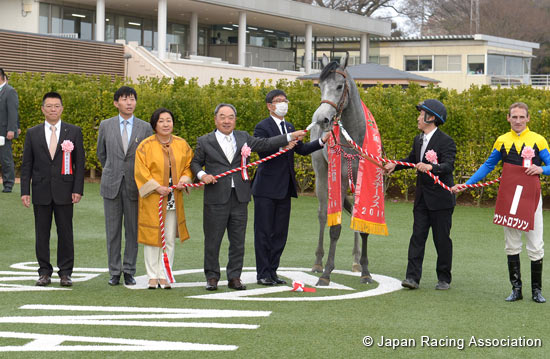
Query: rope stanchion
408	164
167	266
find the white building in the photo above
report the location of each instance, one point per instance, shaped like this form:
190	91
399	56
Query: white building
196	38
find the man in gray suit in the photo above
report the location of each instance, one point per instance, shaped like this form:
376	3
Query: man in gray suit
116	148
9	125
226	200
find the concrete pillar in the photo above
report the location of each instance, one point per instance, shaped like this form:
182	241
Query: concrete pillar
100	20
194	34
307	59
242	38
161	28
364	48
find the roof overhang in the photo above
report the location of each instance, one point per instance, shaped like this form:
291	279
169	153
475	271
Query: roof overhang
282	15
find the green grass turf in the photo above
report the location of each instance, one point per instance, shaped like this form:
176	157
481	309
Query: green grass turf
474	306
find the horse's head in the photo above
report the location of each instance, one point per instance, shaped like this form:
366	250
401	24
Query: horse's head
334	86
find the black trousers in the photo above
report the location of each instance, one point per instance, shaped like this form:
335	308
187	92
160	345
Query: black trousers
271	219
65	249
217	218
440	222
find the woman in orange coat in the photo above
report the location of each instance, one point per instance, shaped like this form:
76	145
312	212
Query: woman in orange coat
161	161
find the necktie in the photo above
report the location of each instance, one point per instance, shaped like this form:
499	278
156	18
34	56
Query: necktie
283	129
423	148
229	151
124	136
53	142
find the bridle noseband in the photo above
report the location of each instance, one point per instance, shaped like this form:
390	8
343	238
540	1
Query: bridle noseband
340	106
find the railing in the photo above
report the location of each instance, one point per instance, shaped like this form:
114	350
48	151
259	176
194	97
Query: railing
540	80
534	80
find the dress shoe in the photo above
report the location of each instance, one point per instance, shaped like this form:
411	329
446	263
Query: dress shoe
278	280
153	283
266	281
212	284
43	281
129	279
6	190
409	283
164	284
236	284
65	281
442	285
115	279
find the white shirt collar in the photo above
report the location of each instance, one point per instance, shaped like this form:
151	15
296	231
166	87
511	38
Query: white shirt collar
278	122
428	136
220	136
57	125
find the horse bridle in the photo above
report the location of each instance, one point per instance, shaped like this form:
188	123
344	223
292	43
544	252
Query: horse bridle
345	93
339	107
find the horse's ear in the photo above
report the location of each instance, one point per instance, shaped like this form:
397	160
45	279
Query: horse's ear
344	60
324	61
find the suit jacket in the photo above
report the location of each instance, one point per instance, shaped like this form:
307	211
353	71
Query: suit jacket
436	196
38	168
9	105
118	166
274	177
209	154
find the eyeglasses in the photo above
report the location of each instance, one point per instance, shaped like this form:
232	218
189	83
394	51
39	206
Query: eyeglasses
49	107
279	101
223	117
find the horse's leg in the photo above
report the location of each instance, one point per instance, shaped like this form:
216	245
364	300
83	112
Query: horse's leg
320	252
365	274
356	267
324	280
321	190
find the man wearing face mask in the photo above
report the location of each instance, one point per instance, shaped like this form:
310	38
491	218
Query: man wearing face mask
272	187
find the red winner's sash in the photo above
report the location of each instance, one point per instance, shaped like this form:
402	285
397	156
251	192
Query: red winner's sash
518	198
368	209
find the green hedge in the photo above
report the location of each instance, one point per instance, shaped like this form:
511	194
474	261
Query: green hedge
476	117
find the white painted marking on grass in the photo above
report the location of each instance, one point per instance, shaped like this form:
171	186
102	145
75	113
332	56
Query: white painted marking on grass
161	314
515	201
34	267
385	285
53	343
26	288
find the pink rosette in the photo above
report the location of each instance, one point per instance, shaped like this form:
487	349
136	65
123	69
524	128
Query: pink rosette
527	154
67	167
431	156
245	153
67	146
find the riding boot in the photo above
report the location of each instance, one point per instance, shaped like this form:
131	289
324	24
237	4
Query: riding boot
536	281
515	278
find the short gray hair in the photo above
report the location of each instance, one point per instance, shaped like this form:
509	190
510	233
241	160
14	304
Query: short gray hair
225	105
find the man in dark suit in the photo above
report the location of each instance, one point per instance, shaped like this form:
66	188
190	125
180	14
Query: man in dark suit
226	200
9	126
273	186
433	151
117	141
53	163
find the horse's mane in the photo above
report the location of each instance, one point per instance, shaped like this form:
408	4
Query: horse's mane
328	69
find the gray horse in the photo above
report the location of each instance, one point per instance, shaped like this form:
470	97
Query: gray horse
339	95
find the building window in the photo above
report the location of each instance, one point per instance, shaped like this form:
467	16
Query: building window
447	63
418	63
476	64
380	60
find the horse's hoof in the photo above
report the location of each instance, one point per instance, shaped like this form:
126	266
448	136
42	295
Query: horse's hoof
317	268
356	267
323	282
366	279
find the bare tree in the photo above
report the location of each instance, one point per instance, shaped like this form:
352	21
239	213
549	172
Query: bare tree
360	7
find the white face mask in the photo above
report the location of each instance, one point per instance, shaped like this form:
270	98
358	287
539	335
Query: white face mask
281	108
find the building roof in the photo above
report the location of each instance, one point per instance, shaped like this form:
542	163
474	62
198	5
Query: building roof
377	73
282	15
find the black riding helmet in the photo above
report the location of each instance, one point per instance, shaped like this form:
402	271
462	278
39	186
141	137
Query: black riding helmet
435	108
